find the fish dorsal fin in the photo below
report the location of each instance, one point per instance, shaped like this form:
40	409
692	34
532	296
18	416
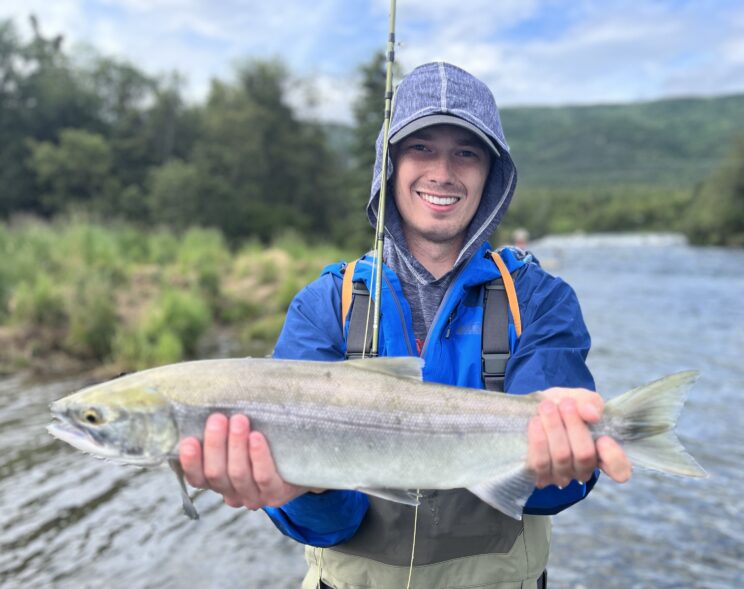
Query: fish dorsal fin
401	366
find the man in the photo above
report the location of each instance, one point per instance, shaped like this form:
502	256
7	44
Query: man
452	179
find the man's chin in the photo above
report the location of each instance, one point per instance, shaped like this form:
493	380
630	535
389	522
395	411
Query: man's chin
442	237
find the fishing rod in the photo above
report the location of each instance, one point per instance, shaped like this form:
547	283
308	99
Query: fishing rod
380	226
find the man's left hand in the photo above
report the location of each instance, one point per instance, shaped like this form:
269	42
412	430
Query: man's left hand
561	447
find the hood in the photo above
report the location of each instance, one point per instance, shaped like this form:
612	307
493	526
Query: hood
442	88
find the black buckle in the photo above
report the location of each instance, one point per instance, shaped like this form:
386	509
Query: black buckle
495	363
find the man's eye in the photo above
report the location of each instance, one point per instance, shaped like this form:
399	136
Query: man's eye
468	153
417	147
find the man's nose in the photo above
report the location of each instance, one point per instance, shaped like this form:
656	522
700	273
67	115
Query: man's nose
440	170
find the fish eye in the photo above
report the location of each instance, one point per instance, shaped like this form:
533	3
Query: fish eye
92	416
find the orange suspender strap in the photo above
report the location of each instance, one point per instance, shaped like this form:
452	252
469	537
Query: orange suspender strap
347	287
511	293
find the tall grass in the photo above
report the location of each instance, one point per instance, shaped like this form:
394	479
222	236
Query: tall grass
118	295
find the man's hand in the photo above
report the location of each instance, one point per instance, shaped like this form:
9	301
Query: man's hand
237	464
561	448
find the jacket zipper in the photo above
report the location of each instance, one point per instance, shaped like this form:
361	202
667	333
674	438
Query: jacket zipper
401	317
442	305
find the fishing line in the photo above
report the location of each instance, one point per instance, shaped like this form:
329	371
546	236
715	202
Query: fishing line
413	542
319	562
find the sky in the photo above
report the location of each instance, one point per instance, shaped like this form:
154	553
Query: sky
529	52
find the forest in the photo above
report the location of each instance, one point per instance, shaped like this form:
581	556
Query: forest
85	133
139	227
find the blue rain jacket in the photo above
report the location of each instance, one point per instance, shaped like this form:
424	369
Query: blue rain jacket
550	352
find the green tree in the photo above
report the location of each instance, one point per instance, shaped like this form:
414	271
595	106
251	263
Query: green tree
261	170
76	170
40	93
174	194
717	214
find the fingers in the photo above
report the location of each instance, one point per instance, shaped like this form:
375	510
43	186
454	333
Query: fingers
558	443
580	441
561	446
236	463
190	455
269	483
613	460
215	455
538	455
590	407
239	468
590	404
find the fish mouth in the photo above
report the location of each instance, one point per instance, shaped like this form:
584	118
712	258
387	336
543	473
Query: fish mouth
79	438
92	442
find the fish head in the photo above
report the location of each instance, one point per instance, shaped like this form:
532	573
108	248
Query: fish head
124	421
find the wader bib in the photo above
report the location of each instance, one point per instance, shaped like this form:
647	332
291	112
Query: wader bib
461	542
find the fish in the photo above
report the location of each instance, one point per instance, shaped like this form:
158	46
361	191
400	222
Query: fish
371	425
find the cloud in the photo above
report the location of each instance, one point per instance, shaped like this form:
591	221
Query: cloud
54	17
326	98
528	51
600	52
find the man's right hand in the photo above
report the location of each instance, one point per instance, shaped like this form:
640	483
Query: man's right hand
236	463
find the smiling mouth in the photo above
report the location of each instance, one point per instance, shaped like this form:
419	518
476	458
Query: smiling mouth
438	200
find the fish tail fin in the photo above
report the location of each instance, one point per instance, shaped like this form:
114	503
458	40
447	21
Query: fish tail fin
643	420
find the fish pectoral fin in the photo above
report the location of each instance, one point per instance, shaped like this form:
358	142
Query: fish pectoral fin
188	505
395	495
508	493
401	366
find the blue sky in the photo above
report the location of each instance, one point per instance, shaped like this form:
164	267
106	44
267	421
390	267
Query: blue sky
530	52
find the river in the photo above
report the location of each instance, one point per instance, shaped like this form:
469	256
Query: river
653	308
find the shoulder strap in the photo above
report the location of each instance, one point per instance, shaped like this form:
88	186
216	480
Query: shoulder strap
346	288
360	321
499	297
511	292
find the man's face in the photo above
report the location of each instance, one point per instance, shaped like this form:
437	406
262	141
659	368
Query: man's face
440	172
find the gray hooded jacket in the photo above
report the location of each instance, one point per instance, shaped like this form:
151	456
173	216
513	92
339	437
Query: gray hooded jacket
431	89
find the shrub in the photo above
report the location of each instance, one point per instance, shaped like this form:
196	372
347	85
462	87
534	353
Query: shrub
38	303
259	336
92	319
182	313
204	253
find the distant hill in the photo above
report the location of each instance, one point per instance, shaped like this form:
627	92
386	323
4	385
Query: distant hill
673	142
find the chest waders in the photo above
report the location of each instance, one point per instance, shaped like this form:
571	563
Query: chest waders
460	542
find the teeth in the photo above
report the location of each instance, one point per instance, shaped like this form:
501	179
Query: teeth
439	200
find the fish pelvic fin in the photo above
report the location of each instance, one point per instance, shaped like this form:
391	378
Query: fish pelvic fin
643	420
509	492
188	505
401	366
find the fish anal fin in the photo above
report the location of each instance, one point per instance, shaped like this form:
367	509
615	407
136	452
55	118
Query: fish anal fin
188	505
508	493
395	495
401	366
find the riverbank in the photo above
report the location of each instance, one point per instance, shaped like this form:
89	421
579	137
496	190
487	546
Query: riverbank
76	296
